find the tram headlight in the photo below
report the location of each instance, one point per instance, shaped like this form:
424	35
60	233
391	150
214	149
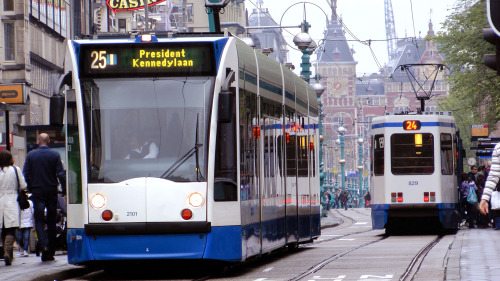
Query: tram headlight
98	201
195	199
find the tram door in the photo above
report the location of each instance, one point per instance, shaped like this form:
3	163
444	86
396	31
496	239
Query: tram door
290	145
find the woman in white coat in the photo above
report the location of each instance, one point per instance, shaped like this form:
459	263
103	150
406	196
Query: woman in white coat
9	208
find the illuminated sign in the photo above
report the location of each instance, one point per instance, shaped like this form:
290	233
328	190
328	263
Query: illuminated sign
411	125
11	93
479	130
147	59
129	5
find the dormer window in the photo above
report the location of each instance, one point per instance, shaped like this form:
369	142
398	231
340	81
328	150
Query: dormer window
336	54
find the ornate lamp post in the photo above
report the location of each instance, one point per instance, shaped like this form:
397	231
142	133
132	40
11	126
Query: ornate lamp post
341	130
360	167
306	45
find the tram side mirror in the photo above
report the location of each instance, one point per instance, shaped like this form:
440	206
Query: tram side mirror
225	106
56	115
226	98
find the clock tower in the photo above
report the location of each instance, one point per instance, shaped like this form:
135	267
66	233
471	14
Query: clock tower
337	69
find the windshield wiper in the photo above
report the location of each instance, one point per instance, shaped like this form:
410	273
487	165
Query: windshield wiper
186	156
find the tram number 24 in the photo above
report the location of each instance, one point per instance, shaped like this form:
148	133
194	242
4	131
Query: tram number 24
412	183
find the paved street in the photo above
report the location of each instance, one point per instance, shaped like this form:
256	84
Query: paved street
474	256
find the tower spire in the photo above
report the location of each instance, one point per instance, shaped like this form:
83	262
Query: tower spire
333	6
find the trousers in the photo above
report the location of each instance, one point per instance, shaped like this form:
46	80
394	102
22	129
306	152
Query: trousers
41	201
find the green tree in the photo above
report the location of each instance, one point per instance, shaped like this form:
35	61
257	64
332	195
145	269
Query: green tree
474	94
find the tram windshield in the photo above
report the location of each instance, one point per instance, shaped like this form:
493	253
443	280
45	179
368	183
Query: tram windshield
412	154
147	127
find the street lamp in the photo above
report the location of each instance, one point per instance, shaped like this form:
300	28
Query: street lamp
360	166
306	45
341	130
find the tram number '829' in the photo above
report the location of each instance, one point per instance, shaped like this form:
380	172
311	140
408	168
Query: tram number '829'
412	183
98	59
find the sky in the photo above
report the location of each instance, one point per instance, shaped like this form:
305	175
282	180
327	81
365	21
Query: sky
364	18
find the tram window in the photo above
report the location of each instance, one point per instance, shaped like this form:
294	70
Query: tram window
446	154
378	155
412	154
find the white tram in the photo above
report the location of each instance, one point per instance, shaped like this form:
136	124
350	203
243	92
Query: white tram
227	163
414	171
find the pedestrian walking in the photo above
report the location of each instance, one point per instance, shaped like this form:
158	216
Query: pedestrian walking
11	180
367	197
26	224
469	185
43	171
344	199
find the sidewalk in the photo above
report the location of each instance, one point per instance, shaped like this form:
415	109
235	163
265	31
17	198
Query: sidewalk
474	256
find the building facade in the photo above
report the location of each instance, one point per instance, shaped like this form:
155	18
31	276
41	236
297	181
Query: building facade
31	57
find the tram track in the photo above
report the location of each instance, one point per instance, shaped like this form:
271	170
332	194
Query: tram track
417	261
408	275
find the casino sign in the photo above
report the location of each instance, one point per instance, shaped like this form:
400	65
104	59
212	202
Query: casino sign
129	5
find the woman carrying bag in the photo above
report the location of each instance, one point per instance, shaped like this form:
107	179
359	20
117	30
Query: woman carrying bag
11	181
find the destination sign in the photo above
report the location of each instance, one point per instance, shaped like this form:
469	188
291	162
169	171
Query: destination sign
411	125
147	59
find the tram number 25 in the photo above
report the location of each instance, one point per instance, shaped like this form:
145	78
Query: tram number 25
98	59
412	183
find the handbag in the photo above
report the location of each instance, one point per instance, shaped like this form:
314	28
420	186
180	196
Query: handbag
495	200
472	197
22	197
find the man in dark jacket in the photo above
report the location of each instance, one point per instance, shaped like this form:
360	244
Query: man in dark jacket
43	172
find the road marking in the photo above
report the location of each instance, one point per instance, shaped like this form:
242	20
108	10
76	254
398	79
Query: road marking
372	277
268	269
339	278
361	223
347	239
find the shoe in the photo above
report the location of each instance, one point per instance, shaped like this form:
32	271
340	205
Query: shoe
47	257
8	260
25	254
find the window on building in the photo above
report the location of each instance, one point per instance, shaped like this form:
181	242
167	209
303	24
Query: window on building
8	5
10	41
122	25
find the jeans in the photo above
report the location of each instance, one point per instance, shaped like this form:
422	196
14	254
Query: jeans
23	237
42	200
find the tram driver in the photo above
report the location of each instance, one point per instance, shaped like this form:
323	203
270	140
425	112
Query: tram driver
141	148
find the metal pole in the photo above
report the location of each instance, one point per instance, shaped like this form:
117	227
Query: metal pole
360	167
342	160
7	132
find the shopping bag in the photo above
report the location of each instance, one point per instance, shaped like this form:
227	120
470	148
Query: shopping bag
495	200
472	197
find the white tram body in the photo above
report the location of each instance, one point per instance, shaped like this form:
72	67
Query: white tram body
414	171
234	173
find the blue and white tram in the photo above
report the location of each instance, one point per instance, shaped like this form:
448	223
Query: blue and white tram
227	163
414	171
